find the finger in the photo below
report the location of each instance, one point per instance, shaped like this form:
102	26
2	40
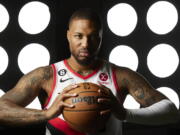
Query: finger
67	105
103	86
68	95
104	92
105	112
105	101
69	88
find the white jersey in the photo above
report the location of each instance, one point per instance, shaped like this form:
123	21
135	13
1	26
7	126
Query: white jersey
64	76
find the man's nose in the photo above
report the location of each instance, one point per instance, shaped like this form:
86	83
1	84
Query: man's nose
85	42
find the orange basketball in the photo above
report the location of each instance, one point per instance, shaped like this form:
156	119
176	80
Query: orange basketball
85	116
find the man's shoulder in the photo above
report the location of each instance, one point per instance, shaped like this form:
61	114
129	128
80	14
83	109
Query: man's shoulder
120	69
43	71
43	68
115	66
105	62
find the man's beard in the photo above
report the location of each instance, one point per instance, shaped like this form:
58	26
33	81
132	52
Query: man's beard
84	62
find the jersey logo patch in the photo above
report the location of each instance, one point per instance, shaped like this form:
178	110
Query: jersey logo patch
103	77
63	80
62	72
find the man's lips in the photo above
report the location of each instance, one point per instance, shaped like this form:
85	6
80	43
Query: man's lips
84	54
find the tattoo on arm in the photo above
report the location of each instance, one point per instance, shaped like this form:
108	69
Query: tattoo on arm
44	76
143	93
34	80
47	73
12	111
139	93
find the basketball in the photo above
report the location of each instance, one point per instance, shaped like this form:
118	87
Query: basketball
85	116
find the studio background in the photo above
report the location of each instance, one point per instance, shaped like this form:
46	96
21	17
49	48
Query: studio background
142	39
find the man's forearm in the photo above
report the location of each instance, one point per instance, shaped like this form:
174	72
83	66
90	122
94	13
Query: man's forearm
162	112
14	115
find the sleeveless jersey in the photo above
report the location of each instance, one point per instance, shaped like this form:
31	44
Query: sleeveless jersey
64	76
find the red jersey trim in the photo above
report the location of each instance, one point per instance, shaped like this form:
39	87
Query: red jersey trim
53	86
116	85
80	76
63	126
114	79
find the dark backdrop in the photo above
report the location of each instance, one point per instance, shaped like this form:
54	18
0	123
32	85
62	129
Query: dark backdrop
54	39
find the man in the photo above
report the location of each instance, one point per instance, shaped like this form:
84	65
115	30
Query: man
52	84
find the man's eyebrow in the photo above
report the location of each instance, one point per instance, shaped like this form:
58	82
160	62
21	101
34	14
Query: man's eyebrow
77	33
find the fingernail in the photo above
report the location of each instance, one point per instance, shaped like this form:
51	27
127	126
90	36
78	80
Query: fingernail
74	85
98	100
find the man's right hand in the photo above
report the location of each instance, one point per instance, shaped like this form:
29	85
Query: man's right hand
58	105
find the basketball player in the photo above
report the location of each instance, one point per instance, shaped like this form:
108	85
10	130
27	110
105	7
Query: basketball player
52	83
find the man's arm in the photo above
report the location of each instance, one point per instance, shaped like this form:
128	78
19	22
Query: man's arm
12	111
156	108
138	87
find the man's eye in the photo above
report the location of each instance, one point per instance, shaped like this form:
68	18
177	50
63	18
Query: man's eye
78	36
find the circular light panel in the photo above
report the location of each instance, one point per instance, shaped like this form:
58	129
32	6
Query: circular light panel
131	103
35	104
122	19
34	17
1	92
162	60
33	56
3	60
162	17
171	94
125	56
4	18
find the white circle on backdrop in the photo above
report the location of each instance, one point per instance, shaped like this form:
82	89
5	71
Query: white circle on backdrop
131	103
32	56
162	60
35	104
122	19
1	92
162	17
34	17
125	56
4	17
4	60
171	94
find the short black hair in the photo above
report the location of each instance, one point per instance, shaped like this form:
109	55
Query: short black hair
89	14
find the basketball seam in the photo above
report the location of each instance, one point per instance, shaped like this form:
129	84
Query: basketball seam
96	109
87	91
